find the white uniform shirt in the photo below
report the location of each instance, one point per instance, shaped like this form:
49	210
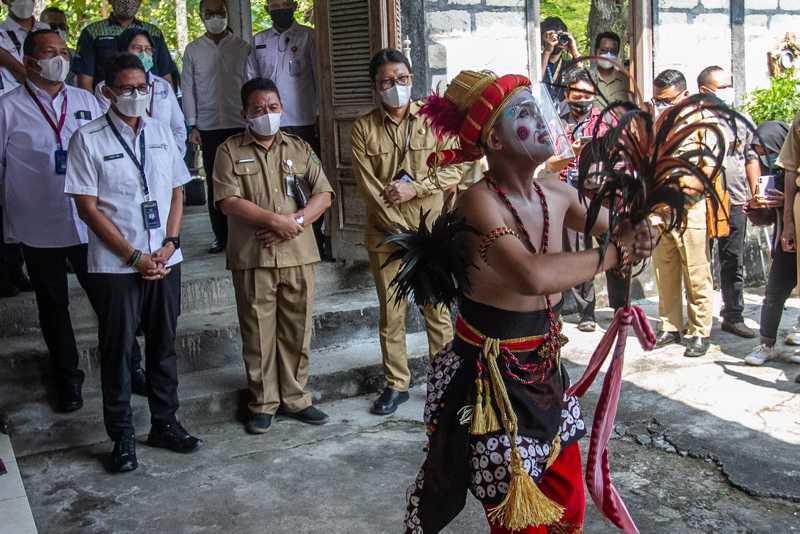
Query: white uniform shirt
99	166
212	77
37	212
288	60
7	80
163	107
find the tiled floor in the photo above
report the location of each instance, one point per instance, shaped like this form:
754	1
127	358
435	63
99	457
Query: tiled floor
14	508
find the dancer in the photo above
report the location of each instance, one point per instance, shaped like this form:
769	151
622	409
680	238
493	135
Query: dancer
499	421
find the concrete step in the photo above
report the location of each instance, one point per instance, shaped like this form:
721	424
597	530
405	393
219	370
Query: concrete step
206	340
211	396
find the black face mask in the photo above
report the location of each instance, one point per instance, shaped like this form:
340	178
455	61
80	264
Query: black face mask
581	108
282	18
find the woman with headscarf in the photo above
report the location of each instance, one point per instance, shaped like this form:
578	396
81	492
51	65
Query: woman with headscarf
783	271
163	105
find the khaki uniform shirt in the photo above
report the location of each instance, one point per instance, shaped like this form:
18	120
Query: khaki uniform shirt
378	142
789	158
611	90
245	169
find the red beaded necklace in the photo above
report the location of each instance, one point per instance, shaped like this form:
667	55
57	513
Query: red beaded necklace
552	347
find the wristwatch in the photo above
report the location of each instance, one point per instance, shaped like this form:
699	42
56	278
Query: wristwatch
176	242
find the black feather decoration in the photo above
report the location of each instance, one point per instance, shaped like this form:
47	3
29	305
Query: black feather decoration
434	268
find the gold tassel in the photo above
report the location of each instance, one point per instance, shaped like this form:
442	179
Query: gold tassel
524	505
489	415
555	450
478	425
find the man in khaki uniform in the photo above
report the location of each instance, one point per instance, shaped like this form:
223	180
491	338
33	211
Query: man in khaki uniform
390	148
261	177
683	259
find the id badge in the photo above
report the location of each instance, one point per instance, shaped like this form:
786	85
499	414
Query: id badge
150	215
290	185
295	67
61	161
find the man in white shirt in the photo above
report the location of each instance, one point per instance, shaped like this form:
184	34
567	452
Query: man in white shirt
213	70
125	173
13	31
285	54
37	120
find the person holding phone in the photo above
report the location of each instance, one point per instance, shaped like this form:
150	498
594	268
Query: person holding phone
556	43
390	146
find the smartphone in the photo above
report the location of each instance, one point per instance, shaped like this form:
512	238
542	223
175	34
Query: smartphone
764	183
585	139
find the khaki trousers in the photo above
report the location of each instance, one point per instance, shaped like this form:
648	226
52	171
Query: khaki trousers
275	319
392	326
682	261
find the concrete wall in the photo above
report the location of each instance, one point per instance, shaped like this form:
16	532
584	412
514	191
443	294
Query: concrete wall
690	35
473	34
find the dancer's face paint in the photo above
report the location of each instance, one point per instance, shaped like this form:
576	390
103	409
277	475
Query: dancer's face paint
523	129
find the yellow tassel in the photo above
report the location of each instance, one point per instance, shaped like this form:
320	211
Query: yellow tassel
478	425
554	451
524	505
489	415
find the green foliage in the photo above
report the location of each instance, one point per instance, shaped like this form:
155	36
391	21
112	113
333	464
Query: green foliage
779	102
574	13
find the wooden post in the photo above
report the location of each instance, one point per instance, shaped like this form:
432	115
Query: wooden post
532	15
641	26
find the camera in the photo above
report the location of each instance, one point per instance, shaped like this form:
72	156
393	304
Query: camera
563	38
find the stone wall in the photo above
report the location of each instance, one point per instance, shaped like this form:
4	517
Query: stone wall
473	34
690	35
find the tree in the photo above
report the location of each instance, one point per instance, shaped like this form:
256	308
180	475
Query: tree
608	15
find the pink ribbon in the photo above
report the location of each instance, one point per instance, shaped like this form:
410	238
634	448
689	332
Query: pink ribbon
598	474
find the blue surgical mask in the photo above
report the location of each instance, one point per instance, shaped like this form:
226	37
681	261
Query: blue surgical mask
147	60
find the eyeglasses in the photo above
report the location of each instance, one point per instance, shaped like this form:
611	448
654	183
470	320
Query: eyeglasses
138	49
388	83
130	90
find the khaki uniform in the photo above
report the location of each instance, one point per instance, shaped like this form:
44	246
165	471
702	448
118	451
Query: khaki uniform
612	89
378	146
274	286
789	159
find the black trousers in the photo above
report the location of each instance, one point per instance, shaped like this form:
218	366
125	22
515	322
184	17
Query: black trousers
731	275
781	281
11	259
211	139
47	269
309	135
124	302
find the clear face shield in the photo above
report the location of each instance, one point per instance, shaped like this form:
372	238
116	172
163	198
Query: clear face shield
532	127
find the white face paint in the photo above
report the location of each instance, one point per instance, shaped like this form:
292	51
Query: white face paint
522	127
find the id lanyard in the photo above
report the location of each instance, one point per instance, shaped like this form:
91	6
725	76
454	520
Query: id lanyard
56	127
139	163
404	150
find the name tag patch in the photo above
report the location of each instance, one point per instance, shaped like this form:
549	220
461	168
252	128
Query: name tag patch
113	157
259	47
247	160
83	115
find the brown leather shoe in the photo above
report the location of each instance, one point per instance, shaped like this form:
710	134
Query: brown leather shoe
739	329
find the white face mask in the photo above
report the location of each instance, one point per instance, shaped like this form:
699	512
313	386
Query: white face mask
22	9
727	95
54	69
606	63
216	25
135	105
396	97
265	125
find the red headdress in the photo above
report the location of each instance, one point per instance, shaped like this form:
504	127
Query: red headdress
468	110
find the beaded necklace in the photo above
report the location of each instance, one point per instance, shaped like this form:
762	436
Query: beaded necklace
552	347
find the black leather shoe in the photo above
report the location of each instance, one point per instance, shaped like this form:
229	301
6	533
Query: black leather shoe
797	379
311	415
22	281
696	346
174	437
667	338
216	247
139	382
123	457
388	402
739	329
259	423
70	398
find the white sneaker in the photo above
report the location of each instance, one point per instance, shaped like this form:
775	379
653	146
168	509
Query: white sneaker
760	354
793	337
795	357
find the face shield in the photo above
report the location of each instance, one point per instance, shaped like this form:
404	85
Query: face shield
531	126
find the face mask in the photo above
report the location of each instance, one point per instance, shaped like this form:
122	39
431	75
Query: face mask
727	95
768	161
396	97
607	62
22	9
216	25
125	9
146	59
521	125
133	106
54	69
581	108
282	18
265	125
